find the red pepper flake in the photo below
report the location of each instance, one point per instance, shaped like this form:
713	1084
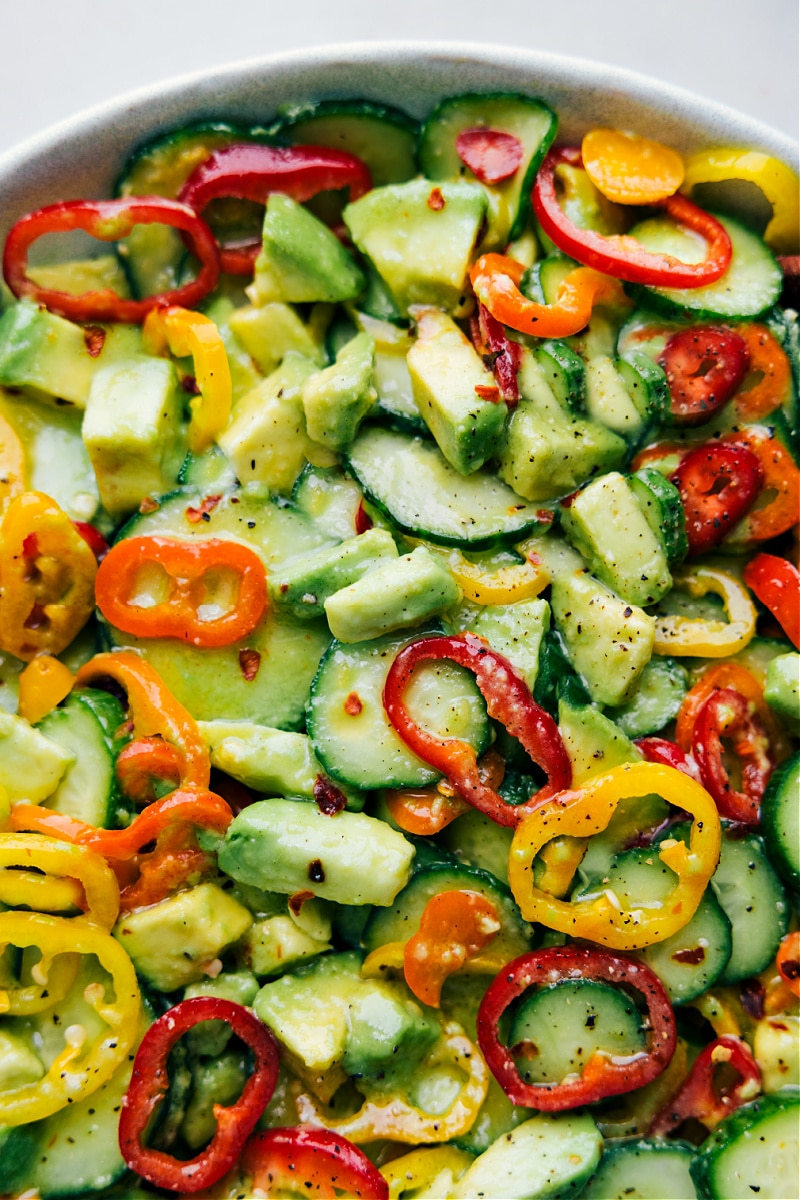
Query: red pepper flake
353	705
316	872
363	520
189	385
488	392
690	957
249	663
330	800
752	994
37	618
93	538
203	510
94	337
546	516
297	901
436	200
491	154
148	505
30	548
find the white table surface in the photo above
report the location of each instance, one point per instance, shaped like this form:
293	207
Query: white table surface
62	56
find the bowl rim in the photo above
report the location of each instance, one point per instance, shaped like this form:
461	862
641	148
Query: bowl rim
549	66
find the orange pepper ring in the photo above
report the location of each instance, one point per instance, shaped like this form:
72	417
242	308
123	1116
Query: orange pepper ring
455	926
496	279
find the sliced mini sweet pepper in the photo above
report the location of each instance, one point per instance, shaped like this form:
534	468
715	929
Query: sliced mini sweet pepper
143	764
778	183
187	333
718	483
492	155
604	1075
704	1098
776	583
781	482
153	709
83	1065
150	1083
503	585
704	366
190	570
494	346
721	675
429	810
496	279
429	1171
788	962
705	637
772	374
42	685
455	926
629	169
726	713
313	1162
176	862
109	220
622	256
508	700
47	575
52	859
585	811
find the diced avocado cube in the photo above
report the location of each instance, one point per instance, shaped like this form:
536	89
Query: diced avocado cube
211	1037
300	259
388	1033
83	275
19	1064
271	332
609	642
131	430
31	765
41	350
605	522
176	941
782	685
337	399
276	942
303	586
456	394
609	401
271	761
400	593
536	384
215	1081
593	742
546	1156
420	238
516	631
542	457
266	439
284	846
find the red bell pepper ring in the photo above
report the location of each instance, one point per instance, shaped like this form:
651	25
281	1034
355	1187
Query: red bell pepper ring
110	220
142	762
701	1097
490	340
728	713
603	1074
508	699
661	750
780	476
718	483
93	538
624	257
253	171
150	1083
776	583
188	565
704	366
176	862
492	155
314	1162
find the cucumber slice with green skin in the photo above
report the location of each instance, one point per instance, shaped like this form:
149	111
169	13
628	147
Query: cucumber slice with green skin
330	498
643	1170
382	136
88	724
544	1158
753	1152
360	746
401	921
409	480
542	281
749	288
662	687
661	503
780	820
646	383
566	373
208	472
646	332
557	1029
526	119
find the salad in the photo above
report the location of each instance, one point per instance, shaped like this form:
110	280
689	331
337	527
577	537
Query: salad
399	629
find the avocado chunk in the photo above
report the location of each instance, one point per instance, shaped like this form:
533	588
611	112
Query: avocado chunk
271	332
132	431
609	401
395	595
420	239
606	524
211	1037
284	846
43	351
268	760
609	642
266	439
173	943
303	586
31	765
455	393
516	631
337	399
593	741
19	1064
300	259
273	944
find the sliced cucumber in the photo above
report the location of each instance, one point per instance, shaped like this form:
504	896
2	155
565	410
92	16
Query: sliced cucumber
661	504
566	373
409	480
662	687
643	1170
749	287
753	1152
401	921
356	743
88	724
529	120
780	817
330	498
542	281
545	1157
754	902
382	136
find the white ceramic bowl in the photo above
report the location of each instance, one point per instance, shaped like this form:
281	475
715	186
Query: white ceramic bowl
81	157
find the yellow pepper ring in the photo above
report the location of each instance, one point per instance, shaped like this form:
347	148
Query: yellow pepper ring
191	333
75	1073
778	182
65	861
396	1118
431	1171
42	685
629	169
505	585
698	635
588	811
